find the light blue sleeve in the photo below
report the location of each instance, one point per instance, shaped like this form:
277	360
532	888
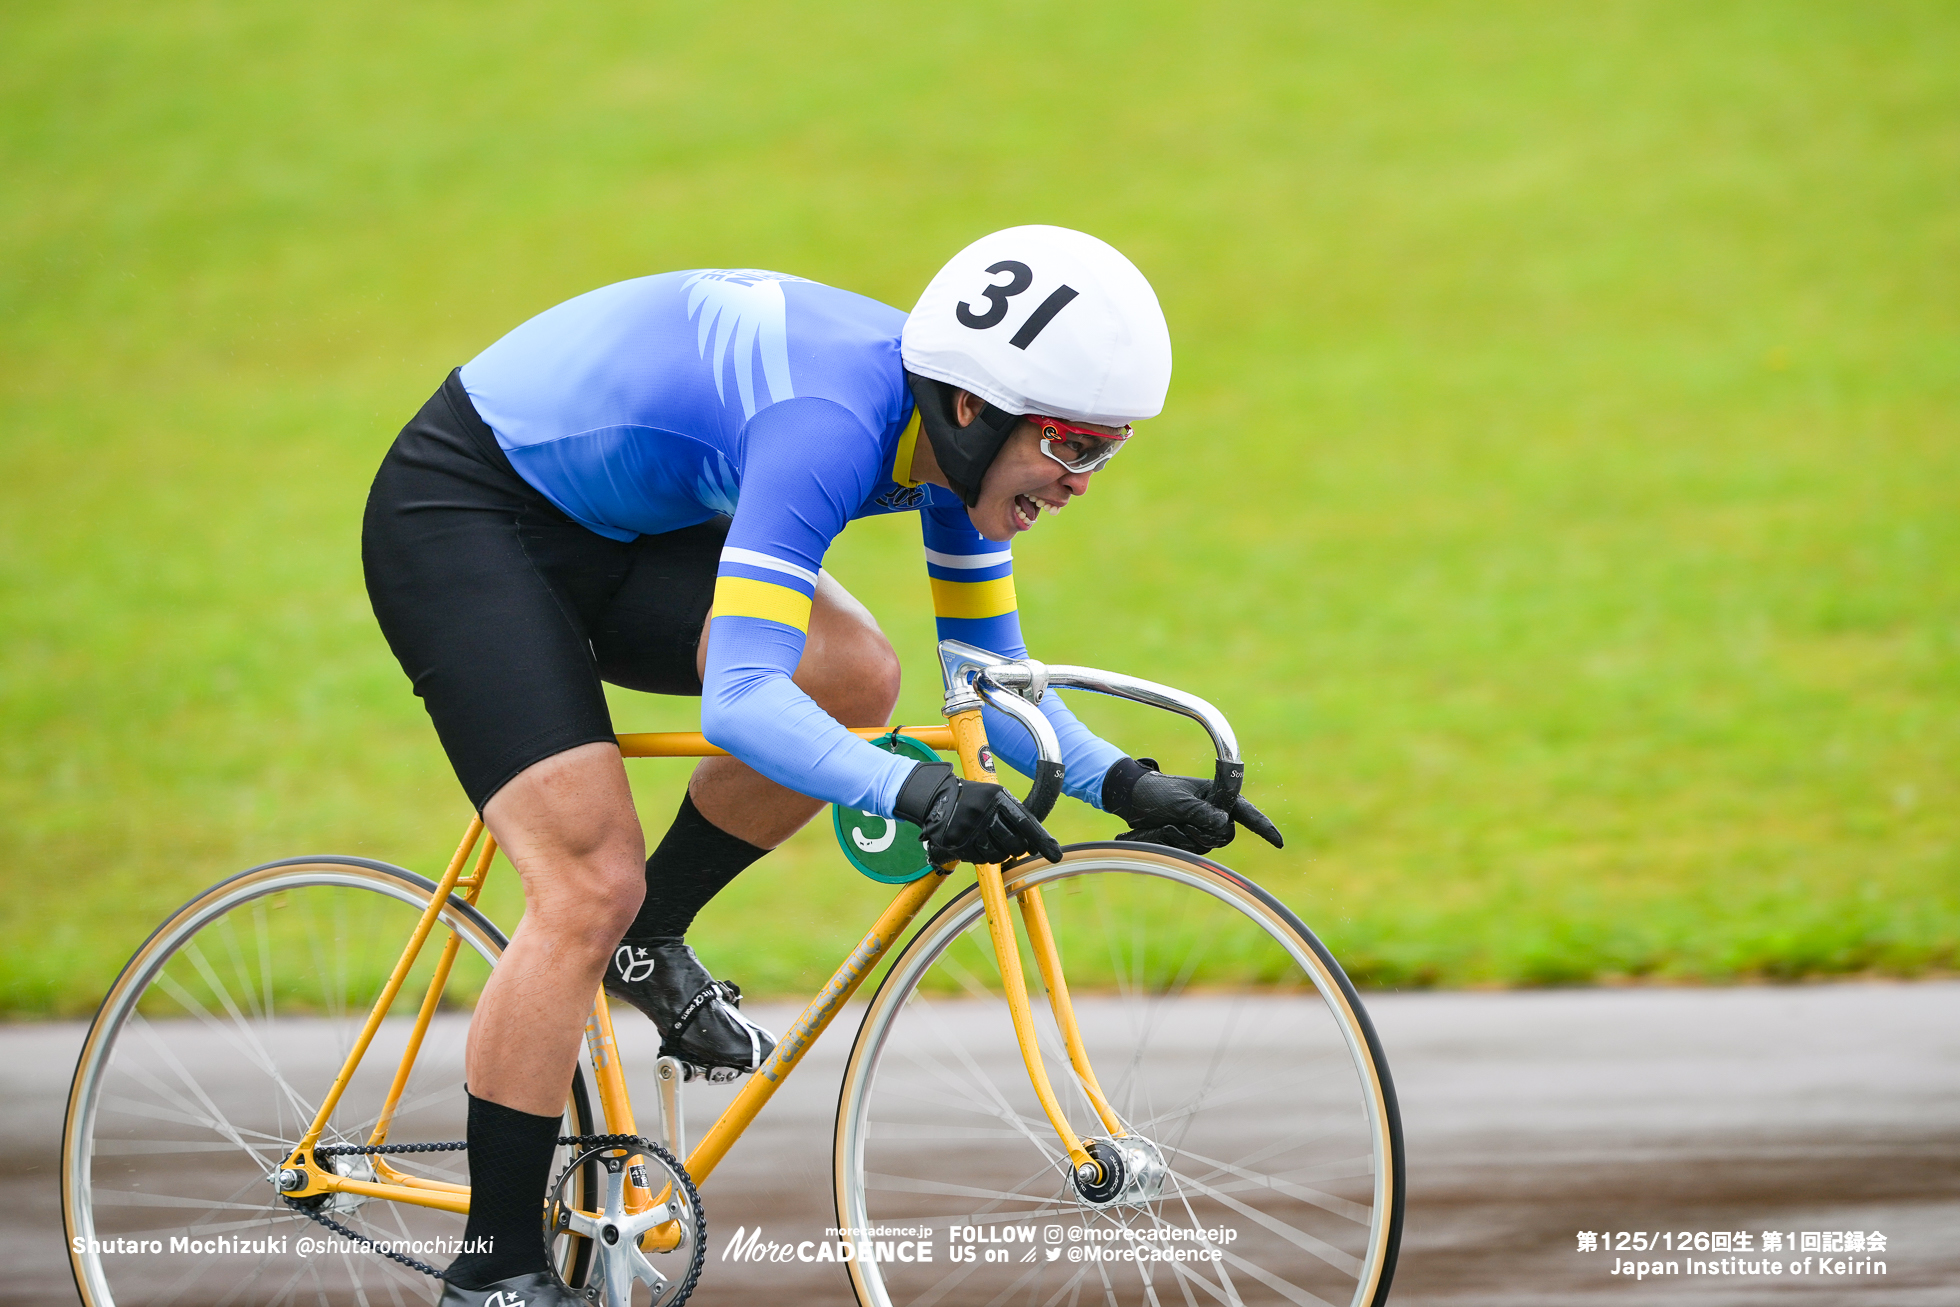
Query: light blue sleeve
792	505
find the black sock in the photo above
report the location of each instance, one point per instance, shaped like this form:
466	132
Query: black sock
695	861
510	1165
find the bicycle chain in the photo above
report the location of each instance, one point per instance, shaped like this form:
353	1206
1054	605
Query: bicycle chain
640	1143
576	1141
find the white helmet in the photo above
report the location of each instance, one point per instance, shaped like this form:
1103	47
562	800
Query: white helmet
1044	320
1034	319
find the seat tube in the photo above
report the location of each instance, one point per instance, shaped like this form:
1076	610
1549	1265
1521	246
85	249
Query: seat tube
976	761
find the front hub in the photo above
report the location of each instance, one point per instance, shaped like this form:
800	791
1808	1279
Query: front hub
1133	1173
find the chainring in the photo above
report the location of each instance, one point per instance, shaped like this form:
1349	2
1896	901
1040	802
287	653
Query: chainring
618	1261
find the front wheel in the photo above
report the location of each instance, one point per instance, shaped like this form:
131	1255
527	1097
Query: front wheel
208	1060
1228	1042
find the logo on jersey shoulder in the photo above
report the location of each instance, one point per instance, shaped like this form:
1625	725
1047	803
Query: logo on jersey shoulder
503	1298
902	498
744	309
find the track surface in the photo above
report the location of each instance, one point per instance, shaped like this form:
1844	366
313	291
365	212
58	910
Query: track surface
1529	1117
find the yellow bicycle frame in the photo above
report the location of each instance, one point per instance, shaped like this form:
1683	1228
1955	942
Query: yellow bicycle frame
964	735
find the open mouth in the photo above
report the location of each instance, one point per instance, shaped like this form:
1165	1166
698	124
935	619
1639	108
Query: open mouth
1027	509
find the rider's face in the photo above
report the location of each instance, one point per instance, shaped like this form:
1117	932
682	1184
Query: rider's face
1021	484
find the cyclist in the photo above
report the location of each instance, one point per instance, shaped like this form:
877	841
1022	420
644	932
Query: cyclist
639	486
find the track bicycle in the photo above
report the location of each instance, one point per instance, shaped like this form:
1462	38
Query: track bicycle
1199	1113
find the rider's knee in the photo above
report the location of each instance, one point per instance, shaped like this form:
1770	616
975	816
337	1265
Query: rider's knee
861	688
583	886
599	907
872	689
852	671
615	905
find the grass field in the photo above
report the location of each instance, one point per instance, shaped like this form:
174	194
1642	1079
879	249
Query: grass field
1560	485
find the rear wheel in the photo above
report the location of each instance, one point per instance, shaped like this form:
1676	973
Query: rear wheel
207	1061
1260	1126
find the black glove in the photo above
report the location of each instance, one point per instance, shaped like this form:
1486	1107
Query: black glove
1177	810
969	821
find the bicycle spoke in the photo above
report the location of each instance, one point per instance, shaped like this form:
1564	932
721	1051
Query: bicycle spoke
1246	1092
1183	1275
1354	1211
1025	1127
262	928
285	1291
1189	1279
1291	1292
1063	1198
1267	1152
151	1112
1037	1130
1299	1238
199	1108
177	1287
1069	1288
251	1046
143	1198
1213	1071
914	1185
204	1015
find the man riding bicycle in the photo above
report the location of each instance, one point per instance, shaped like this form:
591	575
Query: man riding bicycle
639	486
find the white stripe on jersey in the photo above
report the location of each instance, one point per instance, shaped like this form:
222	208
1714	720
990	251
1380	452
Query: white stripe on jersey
966	560
751	558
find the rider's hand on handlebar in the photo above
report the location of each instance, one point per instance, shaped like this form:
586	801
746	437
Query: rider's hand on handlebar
1177	810
969	821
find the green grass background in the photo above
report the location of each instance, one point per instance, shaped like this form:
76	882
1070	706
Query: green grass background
1559	487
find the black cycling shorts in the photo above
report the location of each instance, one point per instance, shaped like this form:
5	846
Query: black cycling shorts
505	613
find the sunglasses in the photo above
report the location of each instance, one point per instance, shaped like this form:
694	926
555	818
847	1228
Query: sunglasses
1080	449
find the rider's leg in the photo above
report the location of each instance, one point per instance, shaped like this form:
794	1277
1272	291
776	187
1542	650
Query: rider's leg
567	824
495	603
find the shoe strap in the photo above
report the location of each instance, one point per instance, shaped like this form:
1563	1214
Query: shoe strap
712	991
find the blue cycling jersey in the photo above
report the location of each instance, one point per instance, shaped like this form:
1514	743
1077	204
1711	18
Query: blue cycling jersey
657	403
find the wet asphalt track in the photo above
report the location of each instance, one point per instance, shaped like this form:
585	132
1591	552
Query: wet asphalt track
1528	1116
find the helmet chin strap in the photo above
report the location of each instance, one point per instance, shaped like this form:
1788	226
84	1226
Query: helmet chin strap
964	453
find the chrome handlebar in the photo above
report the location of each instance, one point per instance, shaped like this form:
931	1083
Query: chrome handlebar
1015	686
1026	676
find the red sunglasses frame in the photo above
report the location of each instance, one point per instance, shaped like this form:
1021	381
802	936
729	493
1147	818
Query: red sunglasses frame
1049	429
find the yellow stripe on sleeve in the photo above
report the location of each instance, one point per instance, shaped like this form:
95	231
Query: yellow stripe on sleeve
973	598
739	596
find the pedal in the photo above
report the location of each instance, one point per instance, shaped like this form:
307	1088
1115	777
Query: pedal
714	1075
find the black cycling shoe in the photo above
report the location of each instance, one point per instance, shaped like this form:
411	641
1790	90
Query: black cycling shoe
538	1289
698	1016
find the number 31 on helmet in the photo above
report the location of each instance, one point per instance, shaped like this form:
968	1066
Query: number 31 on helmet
1044	320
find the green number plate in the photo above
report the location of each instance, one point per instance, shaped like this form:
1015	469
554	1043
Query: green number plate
884	848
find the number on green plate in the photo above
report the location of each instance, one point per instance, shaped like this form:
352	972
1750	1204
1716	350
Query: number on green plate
884	848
